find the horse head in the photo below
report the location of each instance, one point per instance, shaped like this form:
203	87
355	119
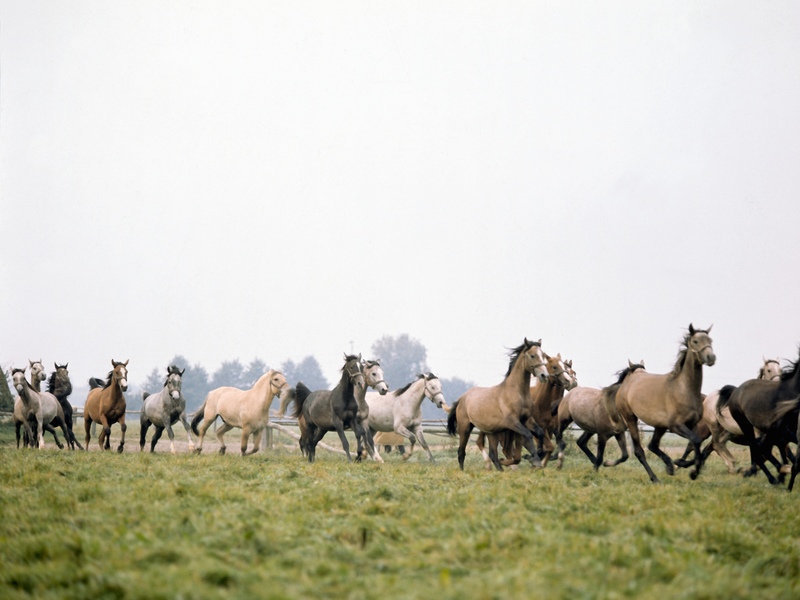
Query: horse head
278	384
535	362
37	370
373	376
699	342
770	370
574	383
557	370
174	382
18	380
433	389
60	384
352	367
120	374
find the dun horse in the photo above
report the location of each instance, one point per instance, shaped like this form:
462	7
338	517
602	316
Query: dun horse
331	410
248	409
506	406
670	402
587	408
164	409
106	405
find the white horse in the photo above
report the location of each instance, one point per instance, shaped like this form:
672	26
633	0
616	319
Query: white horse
40	407
373	378
400	411
164	409
247	409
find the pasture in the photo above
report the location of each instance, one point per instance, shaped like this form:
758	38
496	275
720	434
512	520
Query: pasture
271	525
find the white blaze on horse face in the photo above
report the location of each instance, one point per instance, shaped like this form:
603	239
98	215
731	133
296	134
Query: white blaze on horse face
123	380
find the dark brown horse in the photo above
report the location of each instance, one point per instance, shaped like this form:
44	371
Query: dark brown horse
106	405
670	402
771	407
60	386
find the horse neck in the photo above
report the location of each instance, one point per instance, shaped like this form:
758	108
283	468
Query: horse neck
36	384
115	395
263	389
414	395
790	387
691	374
519	378
346	387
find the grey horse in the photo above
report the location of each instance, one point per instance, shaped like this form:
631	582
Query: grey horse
164	409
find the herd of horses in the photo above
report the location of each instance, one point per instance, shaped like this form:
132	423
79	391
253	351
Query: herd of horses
529	409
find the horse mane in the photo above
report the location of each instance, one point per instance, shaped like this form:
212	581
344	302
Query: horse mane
431	376
109	379
515	353
790	370
404	389
622	374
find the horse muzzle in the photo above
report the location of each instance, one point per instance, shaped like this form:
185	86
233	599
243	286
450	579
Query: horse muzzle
175	395
711	358
123	385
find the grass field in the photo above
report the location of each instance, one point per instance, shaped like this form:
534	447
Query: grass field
104	525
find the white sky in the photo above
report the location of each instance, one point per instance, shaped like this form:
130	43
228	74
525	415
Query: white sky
276	179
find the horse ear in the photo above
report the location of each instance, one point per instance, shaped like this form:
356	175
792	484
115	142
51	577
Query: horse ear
526	342
183	371
558	356
641	362
630	364
709	328
344	355
113	363
691	329
125	364
539	343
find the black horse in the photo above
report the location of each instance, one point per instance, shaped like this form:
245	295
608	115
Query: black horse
60	386
329	410
770	407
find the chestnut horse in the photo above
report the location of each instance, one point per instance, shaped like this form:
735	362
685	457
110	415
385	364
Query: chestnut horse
506	406
107	405
669	402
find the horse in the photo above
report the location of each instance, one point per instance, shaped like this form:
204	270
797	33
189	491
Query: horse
331	410
37	376
246	409
587	408
767	406
723	428
60	386
106	405
373	378
506	405
668	402
545	400
41	408
400	411
163	410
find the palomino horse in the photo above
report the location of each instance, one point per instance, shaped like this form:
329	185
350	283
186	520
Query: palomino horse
247	409
164	409
39	408
330	410
587	408
60	386
770	407
670	402
723	428
400	411
503	406
106	405
545	399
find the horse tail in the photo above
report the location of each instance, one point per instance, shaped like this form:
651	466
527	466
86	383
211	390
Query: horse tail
96	382
301	393
609	398
452	419
724	398
145	395
784	407
198	416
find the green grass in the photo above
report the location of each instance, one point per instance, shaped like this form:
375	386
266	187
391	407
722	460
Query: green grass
104	525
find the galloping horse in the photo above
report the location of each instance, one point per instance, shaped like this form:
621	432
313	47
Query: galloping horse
587	407
399	411
373	378
107	405
723	428
46	400
669	402
545	399
40	407
503	406
248	409
330	410
60	386
770	407
163	410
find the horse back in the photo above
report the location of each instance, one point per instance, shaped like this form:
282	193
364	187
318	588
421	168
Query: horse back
490	408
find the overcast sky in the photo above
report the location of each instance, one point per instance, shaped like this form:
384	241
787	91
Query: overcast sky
231	180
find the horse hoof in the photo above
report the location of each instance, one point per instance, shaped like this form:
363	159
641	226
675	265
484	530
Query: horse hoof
119	450
222	451
693	475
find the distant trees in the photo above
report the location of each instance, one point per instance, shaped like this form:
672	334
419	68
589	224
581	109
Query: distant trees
402	359
6	399
307	370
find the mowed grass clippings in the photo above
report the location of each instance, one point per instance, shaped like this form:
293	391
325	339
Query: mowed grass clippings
105	525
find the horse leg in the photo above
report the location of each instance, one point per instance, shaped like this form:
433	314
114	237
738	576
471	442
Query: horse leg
144	425
601	448
560	443
653	446
684	430
60	422
87	425
465	430
124	428
583	443
718	443
343	439
623	447
188	429
221	431
156	436
316	435
493	455
49	428
18	427
67	408
480	442
256	441
422	442
246	431
683	462
638	451
201	433
171	435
